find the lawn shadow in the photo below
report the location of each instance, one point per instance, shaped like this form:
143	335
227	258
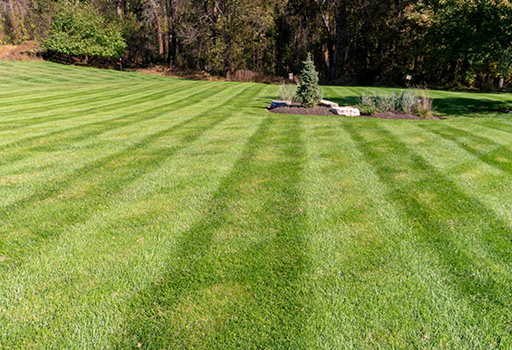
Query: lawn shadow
470	107
343	101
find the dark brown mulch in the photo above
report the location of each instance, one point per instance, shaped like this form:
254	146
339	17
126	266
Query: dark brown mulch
303	111
327	111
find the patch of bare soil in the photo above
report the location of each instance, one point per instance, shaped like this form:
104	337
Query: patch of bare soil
296	109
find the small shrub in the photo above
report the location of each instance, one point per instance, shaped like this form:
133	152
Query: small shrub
408	101
415	101
308	92
367	104
424	106
288	92
388	102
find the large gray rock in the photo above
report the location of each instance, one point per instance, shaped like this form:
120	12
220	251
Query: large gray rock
346	111
276	104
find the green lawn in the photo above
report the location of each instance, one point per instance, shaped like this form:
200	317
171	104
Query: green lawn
149	212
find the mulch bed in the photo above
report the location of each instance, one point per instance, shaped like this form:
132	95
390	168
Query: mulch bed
327	111
303	111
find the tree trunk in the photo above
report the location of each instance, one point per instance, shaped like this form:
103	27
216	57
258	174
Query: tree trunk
119	8
171	56
170	17
339	35
160	38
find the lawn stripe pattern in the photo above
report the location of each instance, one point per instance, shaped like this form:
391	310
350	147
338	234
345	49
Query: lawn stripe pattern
69	180
148	212
368	263
273	263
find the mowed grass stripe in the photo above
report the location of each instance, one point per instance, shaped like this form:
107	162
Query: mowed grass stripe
499	127
128	97
105	84
85	141
68	181
135	211
106	184
13	93
487	185
17	78
57	73
59	141
86	161
258	261
24	103
372	284
110	113
111	89
291	231
493	231
482	280
60	103
77	74
63	98
96	75
17	74
469	171
490	152
119	263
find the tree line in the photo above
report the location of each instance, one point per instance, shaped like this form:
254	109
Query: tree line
450	43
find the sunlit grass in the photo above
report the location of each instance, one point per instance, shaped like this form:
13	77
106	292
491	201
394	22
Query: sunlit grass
148	212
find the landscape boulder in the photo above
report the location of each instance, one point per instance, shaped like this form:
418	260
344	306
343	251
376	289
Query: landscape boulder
326	103
276	104
346	111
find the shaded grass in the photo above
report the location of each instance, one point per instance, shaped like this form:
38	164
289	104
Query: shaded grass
450	104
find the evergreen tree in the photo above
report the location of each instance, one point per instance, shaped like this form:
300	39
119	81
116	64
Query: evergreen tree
308	92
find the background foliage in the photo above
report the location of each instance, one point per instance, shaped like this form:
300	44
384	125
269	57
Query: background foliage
439	42
80	30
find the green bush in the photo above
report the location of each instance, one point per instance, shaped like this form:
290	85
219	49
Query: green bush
368	104
408	101
389	102
81	31
308	92
416	101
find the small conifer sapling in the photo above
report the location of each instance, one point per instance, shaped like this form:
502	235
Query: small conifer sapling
308	92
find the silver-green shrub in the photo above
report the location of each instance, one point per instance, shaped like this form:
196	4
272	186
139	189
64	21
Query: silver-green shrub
415	101
288	92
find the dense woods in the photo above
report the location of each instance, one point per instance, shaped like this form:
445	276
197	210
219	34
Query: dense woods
452	43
